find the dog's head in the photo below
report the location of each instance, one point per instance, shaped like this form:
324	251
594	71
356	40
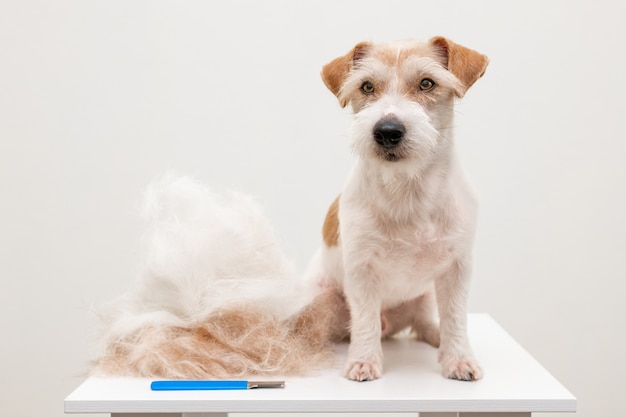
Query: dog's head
403	95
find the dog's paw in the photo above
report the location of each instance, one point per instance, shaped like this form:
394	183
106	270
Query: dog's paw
464	369
362	371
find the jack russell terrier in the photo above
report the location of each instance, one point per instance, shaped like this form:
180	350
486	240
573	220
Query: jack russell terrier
398	240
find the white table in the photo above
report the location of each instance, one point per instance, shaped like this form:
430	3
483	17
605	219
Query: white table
514	385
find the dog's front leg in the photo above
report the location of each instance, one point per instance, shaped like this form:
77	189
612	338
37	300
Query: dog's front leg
365	355
455	353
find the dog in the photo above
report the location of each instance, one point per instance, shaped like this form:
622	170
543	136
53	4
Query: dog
397	242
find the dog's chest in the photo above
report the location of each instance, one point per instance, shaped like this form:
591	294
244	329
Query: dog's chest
411	259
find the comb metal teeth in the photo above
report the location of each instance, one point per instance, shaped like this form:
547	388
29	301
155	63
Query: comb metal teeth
266	384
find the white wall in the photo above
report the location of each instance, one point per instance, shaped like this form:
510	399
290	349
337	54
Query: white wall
97	98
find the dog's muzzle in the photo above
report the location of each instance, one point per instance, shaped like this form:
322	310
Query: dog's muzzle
388	132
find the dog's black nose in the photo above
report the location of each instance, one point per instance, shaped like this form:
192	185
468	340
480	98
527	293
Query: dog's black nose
388	133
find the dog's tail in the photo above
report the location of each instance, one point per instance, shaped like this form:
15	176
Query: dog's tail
215	298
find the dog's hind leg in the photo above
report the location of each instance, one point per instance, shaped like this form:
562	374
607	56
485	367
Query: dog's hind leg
327	313
425	323
419	314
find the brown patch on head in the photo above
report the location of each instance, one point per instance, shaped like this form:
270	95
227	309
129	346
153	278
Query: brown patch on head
394	54
450	65
466	64
334	73
397	69
330	230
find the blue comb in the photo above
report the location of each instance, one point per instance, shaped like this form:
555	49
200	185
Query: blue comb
191	385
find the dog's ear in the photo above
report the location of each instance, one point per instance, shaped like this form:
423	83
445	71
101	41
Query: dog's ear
466	64
335	72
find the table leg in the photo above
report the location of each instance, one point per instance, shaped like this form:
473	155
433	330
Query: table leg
146	415
474	414
438	414
169	415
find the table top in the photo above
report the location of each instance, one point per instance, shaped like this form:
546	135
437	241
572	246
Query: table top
514	382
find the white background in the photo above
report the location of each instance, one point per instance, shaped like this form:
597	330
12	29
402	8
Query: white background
98	98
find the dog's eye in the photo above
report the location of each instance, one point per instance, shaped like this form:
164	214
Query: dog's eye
427	84
367	87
